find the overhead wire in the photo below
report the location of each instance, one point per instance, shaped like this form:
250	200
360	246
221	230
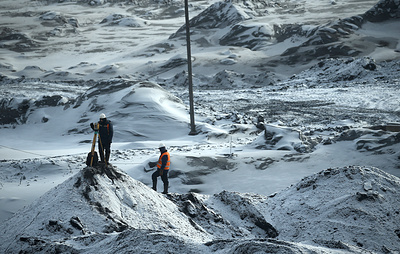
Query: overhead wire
20	150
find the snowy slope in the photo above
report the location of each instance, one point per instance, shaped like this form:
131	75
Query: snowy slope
94	203
105	210
127	39
355	205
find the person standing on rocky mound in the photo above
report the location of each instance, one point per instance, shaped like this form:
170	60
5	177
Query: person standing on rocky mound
162	168
106	132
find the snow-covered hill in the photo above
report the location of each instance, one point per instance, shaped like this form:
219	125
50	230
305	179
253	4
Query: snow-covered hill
341	210
75	40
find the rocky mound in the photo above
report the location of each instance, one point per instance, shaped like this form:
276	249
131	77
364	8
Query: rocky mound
353	205
123	20
284	138
95	201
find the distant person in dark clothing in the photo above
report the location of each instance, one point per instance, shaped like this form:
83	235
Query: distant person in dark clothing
106	132
162	168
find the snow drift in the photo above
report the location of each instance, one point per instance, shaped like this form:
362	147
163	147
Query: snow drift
131	105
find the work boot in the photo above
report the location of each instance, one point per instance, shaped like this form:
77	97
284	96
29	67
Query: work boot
165	189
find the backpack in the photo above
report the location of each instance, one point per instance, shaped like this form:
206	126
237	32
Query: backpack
89	159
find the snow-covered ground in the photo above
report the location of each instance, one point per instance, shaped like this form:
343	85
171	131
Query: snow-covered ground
296	109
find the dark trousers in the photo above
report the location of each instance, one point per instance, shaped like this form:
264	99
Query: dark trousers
164	178
104	149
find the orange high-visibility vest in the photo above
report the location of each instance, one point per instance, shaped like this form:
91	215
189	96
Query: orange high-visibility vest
168	161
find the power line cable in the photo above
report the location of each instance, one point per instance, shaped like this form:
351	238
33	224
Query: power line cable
19	150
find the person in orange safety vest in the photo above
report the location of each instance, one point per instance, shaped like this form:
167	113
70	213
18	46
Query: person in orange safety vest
162	168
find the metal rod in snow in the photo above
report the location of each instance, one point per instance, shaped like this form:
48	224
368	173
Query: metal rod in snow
189	60
230	147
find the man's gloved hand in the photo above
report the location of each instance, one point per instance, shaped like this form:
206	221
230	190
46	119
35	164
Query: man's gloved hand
152	164
92	126
161	171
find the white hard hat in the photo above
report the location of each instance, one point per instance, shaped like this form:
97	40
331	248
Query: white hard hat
161	145
102	115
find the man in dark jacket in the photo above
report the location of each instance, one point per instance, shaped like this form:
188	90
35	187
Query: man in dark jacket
106	132
162	168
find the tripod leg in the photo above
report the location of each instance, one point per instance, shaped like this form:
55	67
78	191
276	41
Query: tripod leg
93	148
102	151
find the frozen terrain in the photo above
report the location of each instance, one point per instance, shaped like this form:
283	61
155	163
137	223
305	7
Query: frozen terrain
342	210
297	118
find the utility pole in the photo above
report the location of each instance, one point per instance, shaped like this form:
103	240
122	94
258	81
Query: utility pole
189	61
